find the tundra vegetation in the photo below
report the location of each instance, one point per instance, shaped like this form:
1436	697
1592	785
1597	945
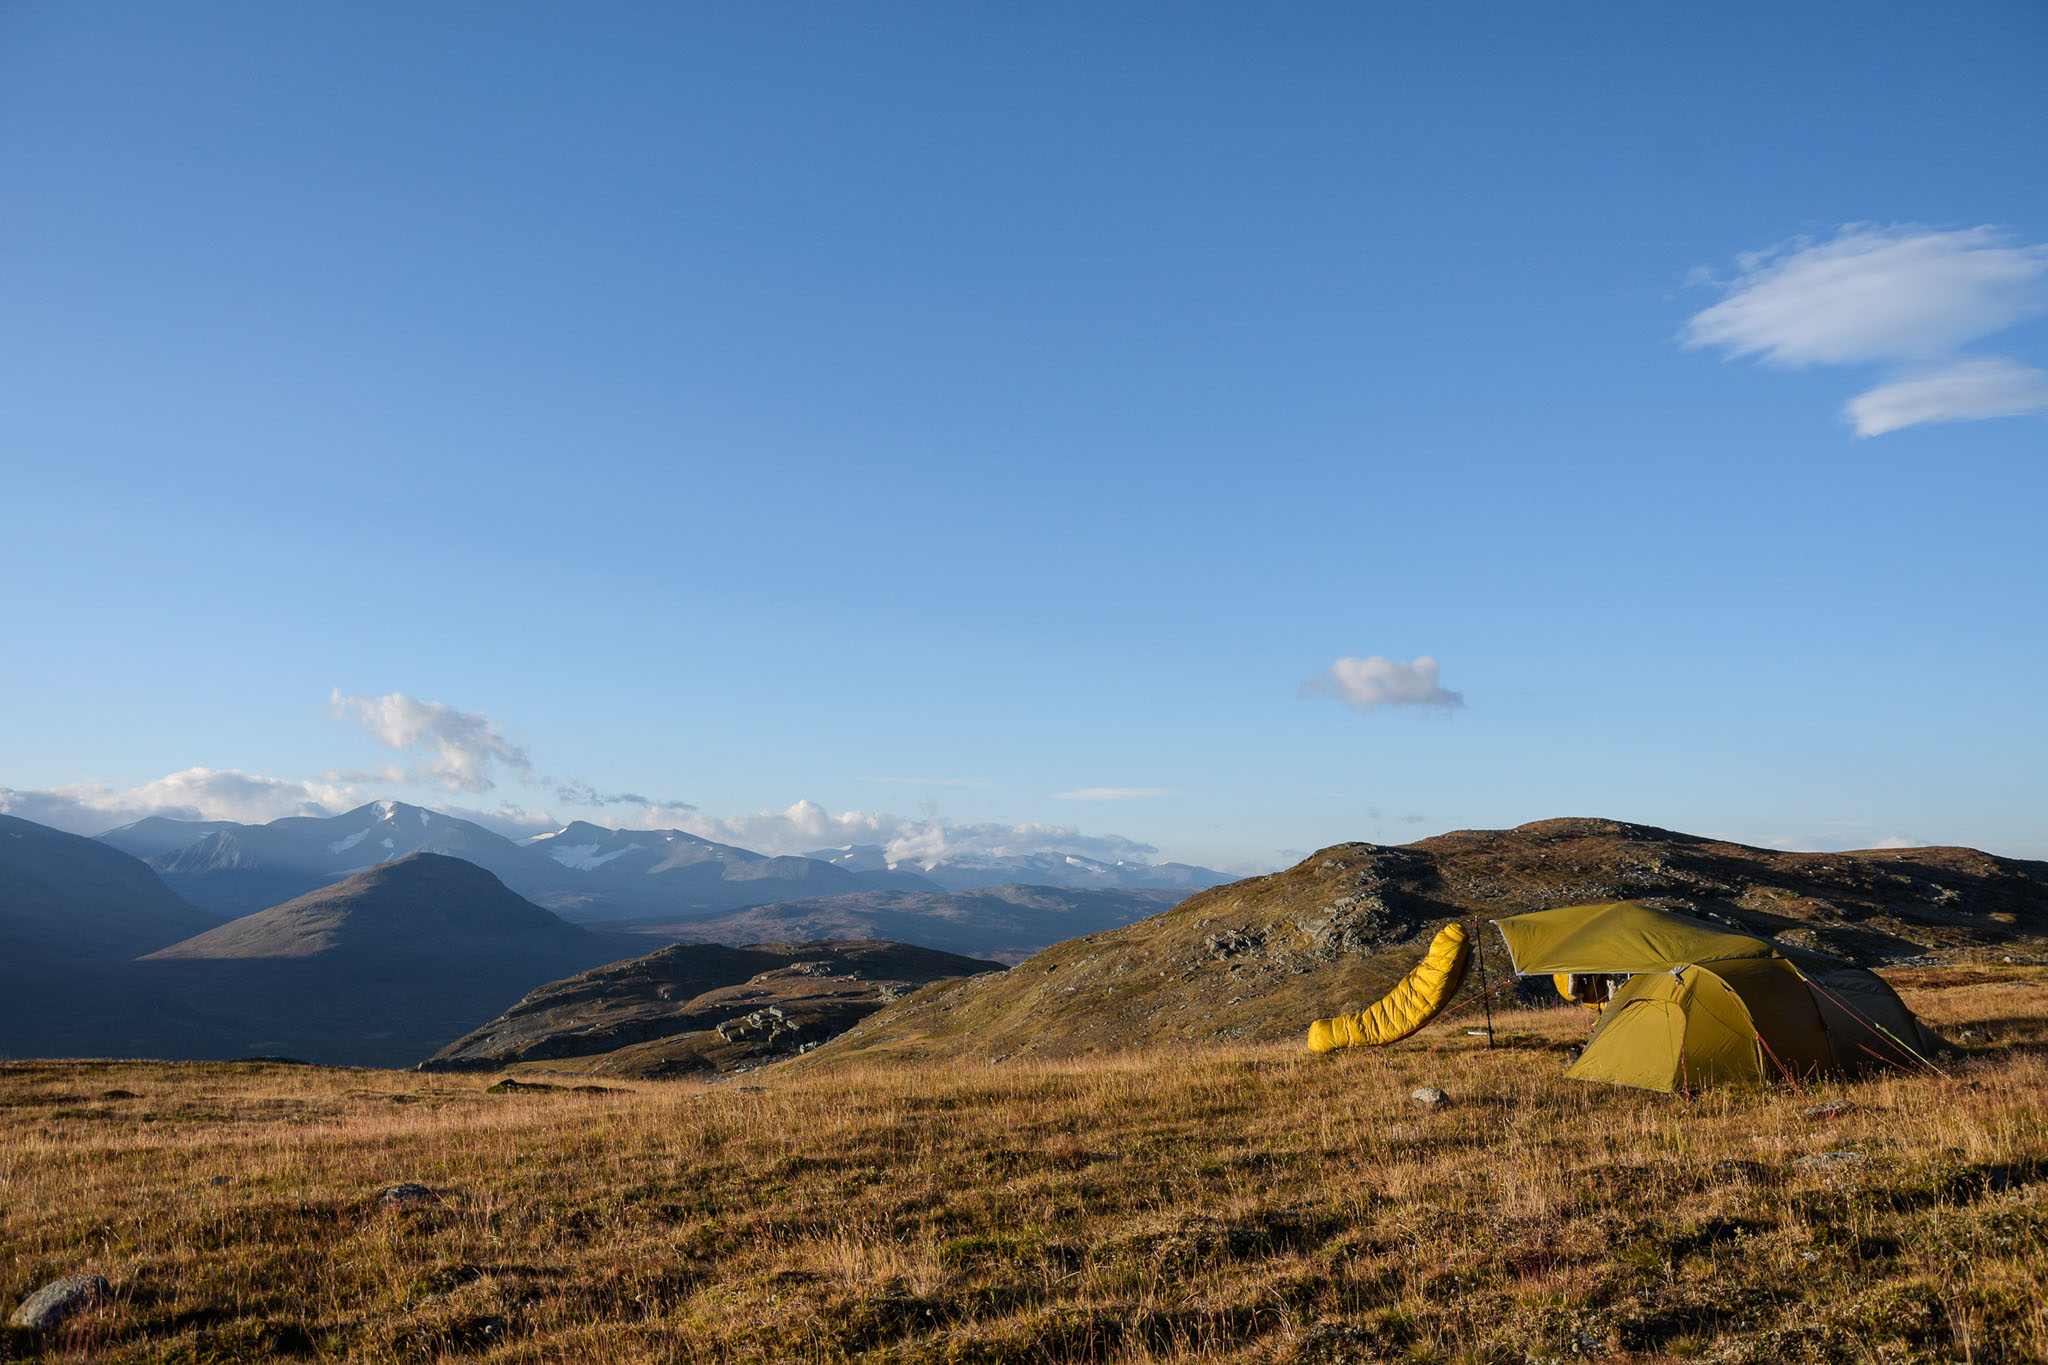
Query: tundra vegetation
1237	1203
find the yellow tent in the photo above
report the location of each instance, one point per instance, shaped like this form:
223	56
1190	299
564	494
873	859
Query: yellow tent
1704	1005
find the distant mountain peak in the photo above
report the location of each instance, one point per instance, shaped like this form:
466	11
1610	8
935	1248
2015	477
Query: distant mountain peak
83	898
422	903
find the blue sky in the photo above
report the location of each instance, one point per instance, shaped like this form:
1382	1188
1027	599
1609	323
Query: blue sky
996	420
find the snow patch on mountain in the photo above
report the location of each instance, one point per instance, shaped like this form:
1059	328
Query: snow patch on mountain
344	845
585	857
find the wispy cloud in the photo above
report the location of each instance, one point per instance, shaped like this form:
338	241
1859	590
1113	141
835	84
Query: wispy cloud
456	751
577	792
1113	793
1989	386
807	826
194	794
1908	298
1823	843
1371	683
460	751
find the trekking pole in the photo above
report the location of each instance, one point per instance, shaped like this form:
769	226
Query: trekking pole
1485	991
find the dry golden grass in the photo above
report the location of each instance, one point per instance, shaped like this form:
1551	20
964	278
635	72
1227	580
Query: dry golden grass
1255	1204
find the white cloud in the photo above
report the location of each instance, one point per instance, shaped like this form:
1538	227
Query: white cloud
807	826
514	822
1990	386
453	750
1826	843
1370	683
1906	297
1875	294
194	794
1113	793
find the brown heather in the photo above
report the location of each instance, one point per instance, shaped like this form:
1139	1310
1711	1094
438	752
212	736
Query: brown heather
1246	1203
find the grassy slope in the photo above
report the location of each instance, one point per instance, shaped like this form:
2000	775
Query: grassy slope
1247	1203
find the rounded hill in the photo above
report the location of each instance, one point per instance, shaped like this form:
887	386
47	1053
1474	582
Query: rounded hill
1259	959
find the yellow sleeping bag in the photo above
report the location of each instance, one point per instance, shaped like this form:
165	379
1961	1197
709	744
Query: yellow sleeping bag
1416	999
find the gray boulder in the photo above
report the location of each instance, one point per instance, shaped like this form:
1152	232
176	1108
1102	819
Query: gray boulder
412	1196
61	1299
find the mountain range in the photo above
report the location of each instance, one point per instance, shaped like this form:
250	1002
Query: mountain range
972	871
584	872
379	969
386	964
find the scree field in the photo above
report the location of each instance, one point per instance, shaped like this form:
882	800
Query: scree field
1255	1204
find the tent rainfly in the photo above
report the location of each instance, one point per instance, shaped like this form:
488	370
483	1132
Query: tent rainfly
1704	1005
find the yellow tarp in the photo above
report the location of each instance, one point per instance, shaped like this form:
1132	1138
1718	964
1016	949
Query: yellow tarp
1620	936
1416	999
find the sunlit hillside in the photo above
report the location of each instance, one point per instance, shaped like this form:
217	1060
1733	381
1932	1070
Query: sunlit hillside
1234	1204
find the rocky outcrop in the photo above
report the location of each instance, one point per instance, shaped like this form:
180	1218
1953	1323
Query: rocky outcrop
697	1007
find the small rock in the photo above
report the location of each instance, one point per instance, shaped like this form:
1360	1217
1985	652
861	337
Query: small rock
60	1299
1429	1097
1834	1109
408	1197
1810	1257
1828	1160
1973	1035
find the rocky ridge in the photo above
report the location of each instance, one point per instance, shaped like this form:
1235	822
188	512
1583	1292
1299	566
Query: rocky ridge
695	1008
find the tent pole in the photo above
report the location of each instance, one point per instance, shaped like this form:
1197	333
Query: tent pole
1485	991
